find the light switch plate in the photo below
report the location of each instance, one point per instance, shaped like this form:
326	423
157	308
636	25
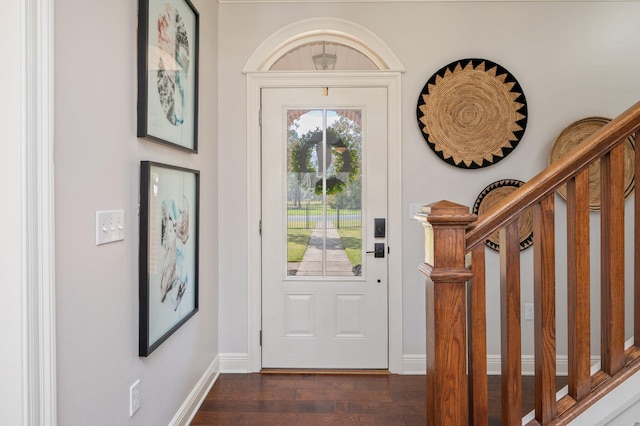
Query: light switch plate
528	311
109	226
134	398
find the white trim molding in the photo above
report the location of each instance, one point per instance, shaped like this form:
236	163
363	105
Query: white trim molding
37	186
390	80
327	29
620	407
413	364
417	364
235	363
190	406
528	364
358	37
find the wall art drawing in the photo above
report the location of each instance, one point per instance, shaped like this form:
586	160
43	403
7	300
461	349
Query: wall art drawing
168	284
168	38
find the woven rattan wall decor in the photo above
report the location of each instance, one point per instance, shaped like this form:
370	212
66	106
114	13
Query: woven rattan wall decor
576	133
472	113
495	193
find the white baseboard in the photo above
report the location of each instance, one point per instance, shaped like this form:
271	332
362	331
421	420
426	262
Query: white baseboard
414	364
234	363
528	365
494	365
238	363
417	364
193	402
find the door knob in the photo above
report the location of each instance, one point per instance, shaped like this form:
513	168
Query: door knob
378	250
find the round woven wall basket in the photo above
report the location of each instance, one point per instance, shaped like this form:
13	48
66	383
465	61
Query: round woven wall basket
575	134
493	194
472	113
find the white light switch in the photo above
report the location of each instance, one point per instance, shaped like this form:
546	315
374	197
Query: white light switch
109	226
528	311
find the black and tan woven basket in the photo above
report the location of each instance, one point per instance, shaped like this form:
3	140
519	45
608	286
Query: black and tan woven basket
472	113
575	134
495	193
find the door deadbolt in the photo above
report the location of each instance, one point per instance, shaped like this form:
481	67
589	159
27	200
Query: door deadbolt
379	227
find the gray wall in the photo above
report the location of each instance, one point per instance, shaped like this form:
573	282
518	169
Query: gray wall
97	157
572	59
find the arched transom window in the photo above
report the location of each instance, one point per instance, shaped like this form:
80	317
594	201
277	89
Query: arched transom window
324	56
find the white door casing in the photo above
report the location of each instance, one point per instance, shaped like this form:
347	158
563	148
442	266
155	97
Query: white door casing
389	80
30	388
323	315
256	69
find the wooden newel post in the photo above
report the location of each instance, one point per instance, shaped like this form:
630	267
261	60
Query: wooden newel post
445	224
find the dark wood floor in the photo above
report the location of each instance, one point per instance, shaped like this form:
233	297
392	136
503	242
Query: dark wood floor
336	399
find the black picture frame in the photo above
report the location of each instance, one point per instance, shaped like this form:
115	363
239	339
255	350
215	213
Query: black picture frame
168	63
168	253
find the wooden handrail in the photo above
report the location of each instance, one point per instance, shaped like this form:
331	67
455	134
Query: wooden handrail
554	176
456	297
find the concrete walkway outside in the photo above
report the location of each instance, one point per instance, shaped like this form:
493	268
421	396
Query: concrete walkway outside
338	263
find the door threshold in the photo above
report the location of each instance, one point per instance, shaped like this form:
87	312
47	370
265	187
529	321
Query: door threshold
323	371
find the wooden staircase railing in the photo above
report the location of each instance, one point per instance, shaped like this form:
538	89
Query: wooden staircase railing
456	302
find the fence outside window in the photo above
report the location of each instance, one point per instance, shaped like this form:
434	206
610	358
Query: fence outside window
307	216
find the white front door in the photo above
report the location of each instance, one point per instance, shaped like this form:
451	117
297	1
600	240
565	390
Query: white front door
324	209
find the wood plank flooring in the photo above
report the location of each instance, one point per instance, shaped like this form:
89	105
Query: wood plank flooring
322	399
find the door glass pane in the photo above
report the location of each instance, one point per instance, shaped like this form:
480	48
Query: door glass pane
324	197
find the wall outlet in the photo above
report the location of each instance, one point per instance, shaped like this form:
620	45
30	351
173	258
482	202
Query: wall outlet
109	226
134	398
528	311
